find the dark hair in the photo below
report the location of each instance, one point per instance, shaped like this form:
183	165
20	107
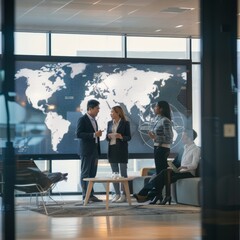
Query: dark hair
191	133
92	104
166	112
120	112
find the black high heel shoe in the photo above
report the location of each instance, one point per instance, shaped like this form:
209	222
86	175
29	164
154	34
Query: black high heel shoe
140	198
156	199
165	200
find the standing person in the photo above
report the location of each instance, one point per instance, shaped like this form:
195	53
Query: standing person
189	163
88	134
118	135
162	135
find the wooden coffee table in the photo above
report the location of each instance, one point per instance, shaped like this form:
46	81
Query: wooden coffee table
107	180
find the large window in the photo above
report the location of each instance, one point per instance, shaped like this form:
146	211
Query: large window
58	44
72	167
27	43
195	50
196	101
156	47
86	45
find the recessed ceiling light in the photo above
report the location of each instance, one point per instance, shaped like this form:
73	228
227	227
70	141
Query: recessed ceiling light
179	26
187	9
158	30
176	9
132	11
96	2
115	7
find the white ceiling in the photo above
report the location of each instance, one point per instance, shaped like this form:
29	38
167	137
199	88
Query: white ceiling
131	17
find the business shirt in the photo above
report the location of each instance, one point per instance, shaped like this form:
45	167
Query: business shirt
114	131
190	158
118	152
86	134
95	126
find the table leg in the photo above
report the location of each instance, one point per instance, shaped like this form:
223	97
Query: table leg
89	189
107	194
126	187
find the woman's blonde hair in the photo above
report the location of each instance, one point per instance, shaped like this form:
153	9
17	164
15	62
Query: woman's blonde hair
120	112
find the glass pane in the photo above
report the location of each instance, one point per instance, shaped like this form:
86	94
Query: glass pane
196	50
86	45
238	95
1	42
153	47
31	43
72	167
196	101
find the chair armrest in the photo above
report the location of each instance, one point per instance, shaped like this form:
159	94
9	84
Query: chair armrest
145	171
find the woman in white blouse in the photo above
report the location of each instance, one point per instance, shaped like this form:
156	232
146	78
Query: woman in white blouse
118	135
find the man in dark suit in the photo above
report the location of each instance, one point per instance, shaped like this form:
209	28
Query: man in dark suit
88	134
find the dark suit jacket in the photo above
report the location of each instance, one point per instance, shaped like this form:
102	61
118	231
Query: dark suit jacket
119	153
85	133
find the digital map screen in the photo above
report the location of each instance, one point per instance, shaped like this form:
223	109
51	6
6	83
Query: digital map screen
52	95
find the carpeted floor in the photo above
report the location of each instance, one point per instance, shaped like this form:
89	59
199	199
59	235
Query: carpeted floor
72	209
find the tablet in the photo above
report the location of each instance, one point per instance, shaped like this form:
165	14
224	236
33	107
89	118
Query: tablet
171	165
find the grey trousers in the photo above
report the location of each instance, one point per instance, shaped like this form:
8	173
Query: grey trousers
123	172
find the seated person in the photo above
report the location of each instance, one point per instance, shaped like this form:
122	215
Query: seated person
189	163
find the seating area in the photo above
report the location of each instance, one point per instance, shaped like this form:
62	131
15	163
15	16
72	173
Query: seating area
184	191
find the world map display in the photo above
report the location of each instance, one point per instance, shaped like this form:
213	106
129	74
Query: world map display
54	95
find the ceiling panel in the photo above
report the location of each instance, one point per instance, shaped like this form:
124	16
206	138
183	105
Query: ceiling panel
133	17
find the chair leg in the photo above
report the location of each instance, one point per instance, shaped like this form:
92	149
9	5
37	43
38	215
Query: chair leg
43	193
49	195
43	203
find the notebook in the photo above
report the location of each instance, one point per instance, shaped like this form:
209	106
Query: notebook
171	165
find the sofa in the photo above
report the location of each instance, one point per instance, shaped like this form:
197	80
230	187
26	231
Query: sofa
184	191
